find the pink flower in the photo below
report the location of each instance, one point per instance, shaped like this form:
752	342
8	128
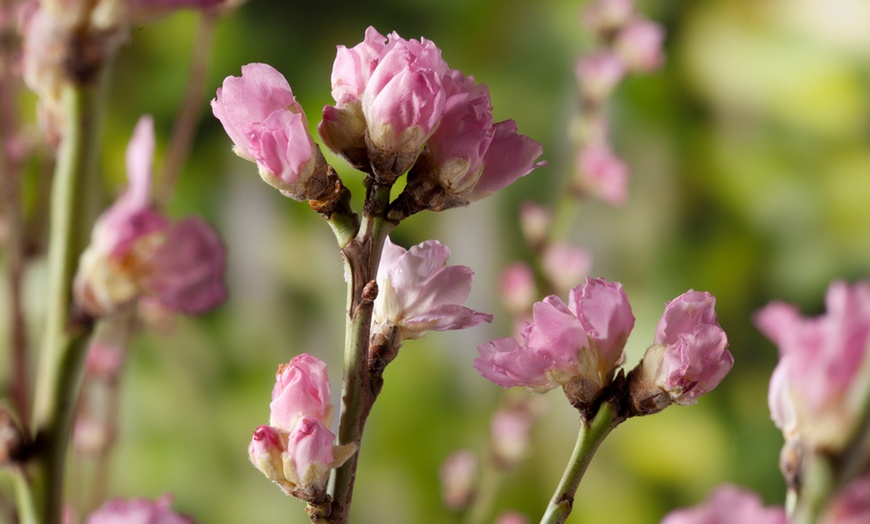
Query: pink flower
565	265
564	343
419	292
851	505
535	223
510	430
136	252
603	16
301	390
819	376
518	289
602	174
460	143
459	479
598	74
689	355
639	44
396	85
137	511
296	450
267	125
511	517
728	505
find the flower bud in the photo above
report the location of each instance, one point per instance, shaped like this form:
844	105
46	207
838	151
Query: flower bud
518	289
728	505
137	510
301	390
564	265
343	130
267	126
601	174
598	74
639	44
604	16
458	479
688	358
535	223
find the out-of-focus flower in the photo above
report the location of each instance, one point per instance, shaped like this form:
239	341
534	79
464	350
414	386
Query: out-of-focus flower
511	517
296	451
104	360
137	252
604	16
602	174
581	342
137	510
419	292
598	74
518	289
535	223
820	383
688	358
852	505
728	505
458	479
267	126
564	265
639	44
511	429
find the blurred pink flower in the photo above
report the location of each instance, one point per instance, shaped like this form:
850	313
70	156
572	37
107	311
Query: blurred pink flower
598	75
602	174
518	288
535	223
639	44
511	517
267	126
728	504
419	292
458	476
819	375
136	251
564	343
851	505
565	265
301	390
603	16
137	511
689	355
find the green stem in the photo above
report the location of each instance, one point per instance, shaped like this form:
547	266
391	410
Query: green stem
819	483
24	502
484	501
362	257
591	435
65	342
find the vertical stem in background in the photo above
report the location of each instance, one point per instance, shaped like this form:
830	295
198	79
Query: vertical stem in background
362	257
10	201
591	435
184	128
65	343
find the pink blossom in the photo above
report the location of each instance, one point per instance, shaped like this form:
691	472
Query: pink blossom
296	450
728	504
581	340
458	476
309	454
825	356
518	289
354	67
639	44
535	223
598	74
136	252
267	125
689	355
460	143
850	506
511	517
602	174
606	15
565	265
509	157
419	292
510	430
301	390
137	511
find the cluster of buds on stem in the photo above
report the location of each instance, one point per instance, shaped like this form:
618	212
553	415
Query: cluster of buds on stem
579	346
399	109
296	449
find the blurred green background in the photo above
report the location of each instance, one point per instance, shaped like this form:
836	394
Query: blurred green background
750	178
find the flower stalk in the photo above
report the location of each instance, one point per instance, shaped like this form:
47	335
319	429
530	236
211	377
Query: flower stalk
591	435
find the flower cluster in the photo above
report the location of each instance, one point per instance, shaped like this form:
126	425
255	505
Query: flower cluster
137	252
135	510
580	345
626	42
728	505
296	450
399	107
